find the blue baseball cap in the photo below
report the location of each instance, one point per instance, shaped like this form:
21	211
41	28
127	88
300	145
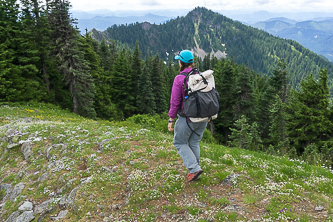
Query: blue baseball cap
185	56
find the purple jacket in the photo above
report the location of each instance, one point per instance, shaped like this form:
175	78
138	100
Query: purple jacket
177	94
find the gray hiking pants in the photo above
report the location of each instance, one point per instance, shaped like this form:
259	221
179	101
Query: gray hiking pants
187	142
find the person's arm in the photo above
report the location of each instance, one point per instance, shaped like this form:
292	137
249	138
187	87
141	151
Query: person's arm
175	101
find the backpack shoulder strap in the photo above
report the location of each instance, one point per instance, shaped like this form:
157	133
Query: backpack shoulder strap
187	75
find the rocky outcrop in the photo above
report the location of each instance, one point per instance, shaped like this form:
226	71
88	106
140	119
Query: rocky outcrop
16	191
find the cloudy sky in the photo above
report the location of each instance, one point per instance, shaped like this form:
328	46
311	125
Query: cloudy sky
267	5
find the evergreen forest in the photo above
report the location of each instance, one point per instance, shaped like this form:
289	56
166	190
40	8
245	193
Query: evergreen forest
205	31
271	100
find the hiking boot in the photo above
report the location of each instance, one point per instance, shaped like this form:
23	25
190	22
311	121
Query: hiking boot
198	178
193	176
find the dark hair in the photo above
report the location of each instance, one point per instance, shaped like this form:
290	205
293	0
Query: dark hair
184	65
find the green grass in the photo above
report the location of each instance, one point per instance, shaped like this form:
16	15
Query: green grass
146	178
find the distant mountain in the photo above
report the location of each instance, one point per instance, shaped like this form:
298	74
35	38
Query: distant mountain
172	13
204	31
103	22
258	16
315	35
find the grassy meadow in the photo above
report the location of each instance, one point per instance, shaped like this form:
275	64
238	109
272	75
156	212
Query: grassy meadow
130	171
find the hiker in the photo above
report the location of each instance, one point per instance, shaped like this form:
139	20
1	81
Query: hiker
187	135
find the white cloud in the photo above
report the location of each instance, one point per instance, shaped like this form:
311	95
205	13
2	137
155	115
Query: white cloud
268	5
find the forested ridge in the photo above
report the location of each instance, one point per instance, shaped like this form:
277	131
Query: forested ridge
45	59
212	31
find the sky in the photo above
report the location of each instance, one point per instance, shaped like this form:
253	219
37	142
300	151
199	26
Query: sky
215	5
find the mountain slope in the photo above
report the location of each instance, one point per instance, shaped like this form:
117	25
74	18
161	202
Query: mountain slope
204	31
315	34
55	165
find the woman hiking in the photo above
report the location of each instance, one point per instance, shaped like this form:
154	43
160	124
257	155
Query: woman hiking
187	135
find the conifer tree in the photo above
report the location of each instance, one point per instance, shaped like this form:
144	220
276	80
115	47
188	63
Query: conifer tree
158	83
103	106
35	20
278	127
309	114
136	70
245	104
121	86
225	74
18	72
278	84
206	62
255	137
73	68
105	55
241	133
145	98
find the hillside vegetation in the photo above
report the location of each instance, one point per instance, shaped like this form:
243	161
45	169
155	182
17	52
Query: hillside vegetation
314	35
57	165
45	59
203	29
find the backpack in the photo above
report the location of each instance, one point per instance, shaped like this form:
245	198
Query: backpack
201	102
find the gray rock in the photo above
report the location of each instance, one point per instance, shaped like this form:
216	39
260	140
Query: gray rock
66	201
44	177
116	206
44	213
101	144
20	174
61	178
132	162
101	214
13	145
48	150
63	202
71	196
26	216
62	145
26	206
26	150
62	214
228	180
1	206
86	180
202	205
9	132
27	120
7	188
43	206
320	208
15	139
16	191
59	191
69	183
107	169
232	207
106	219
13	217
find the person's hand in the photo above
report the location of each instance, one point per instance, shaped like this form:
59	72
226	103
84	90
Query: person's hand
170	125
